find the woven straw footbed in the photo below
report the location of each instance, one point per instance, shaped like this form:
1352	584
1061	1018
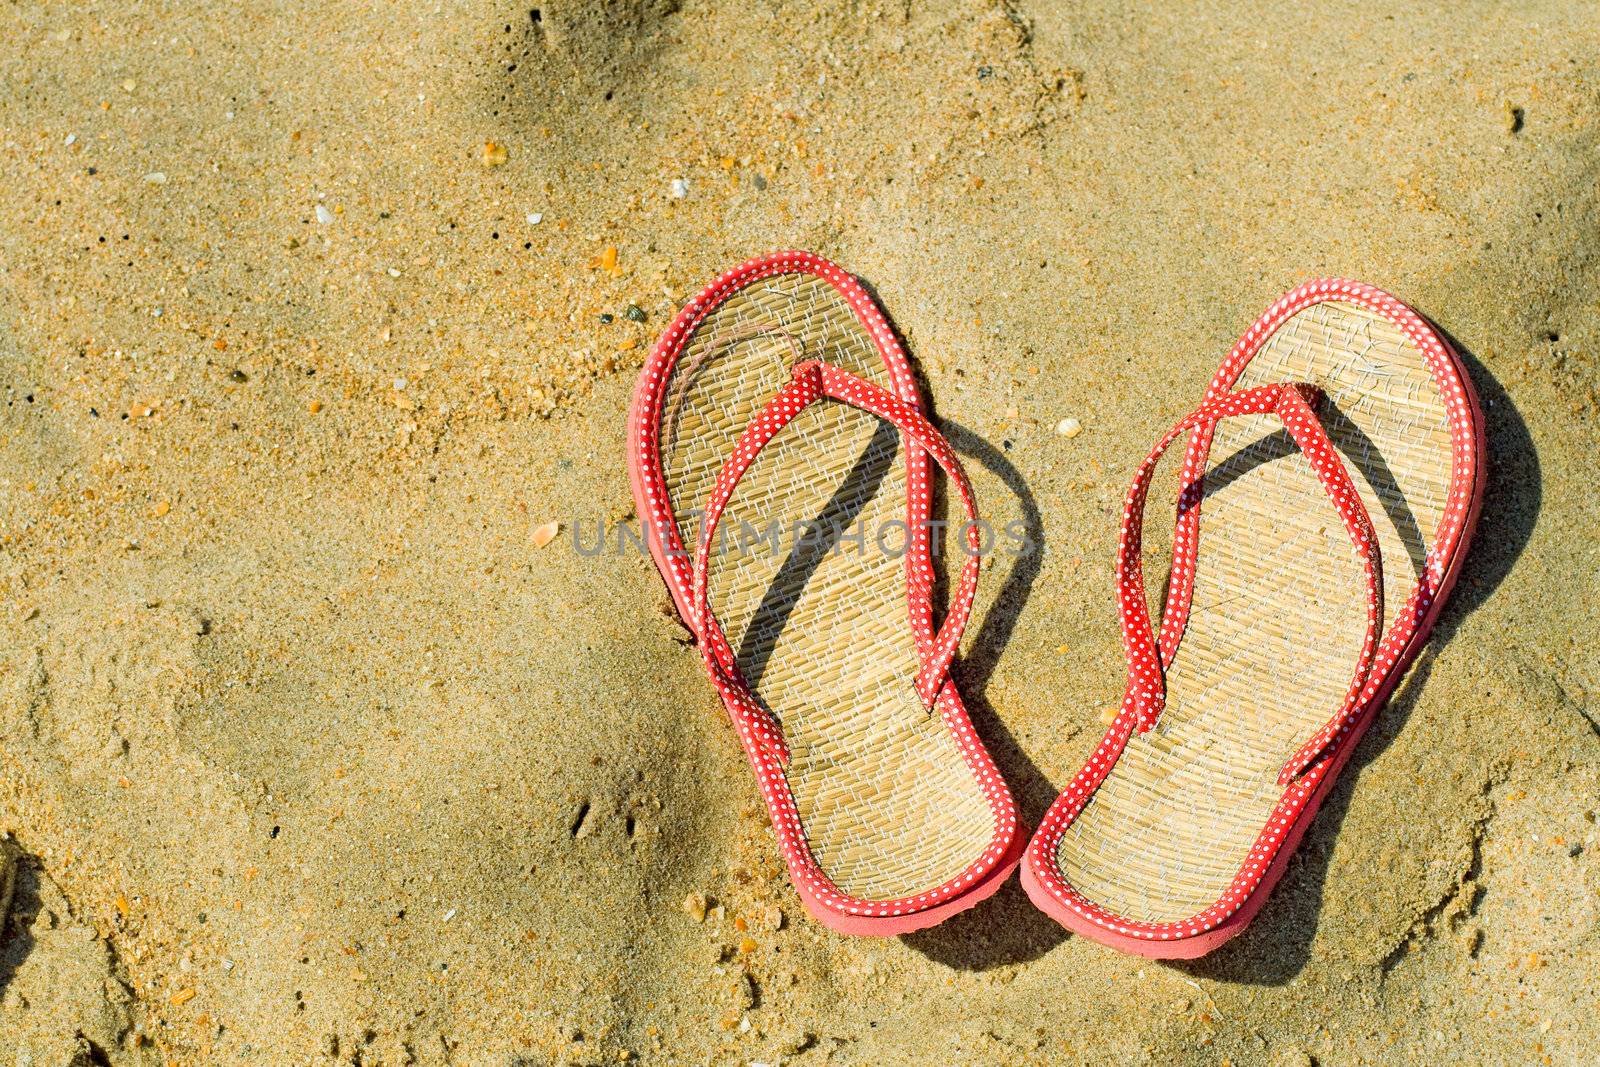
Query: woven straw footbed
1278	615
888	804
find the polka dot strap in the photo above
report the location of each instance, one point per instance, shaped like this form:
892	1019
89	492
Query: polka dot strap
653	420
1293	404
812	381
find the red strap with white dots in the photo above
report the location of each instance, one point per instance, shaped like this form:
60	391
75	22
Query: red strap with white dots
1292	403
812	381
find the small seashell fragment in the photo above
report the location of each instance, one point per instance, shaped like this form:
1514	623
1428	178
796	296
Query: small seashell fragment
607	261
544	533
495	154
1069	428
324	216
156	177
694	906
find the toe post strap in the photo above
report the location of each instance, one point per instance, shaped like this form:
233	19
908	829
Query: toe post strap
813	381
1295	405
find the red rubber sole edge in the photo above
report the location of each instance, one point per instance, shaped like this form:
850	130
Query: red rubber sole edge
893	925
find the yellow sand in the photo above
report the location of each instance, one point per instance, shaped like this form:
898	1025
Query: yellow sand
310	755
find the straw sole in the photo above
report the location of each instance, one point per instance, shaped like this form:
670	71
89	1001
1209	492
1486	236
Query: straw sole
894	925
1168	944
895	839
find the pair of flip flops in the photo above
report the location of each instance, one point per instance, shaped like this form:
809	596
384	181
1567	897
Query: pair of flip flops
783	468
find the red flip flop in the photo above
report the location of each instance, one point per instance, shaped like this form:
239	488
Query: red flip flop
1341	420
888	810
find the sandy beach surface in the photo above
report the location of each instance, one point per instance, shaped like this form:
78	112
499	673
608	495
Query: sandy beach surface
310	753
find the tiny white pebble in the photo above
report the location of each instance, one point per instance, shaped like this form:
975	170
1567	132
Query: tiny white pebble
394	273
130	85
72	138
324	216
1069	428
680	188
535	217
400	385
451	914
156	177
